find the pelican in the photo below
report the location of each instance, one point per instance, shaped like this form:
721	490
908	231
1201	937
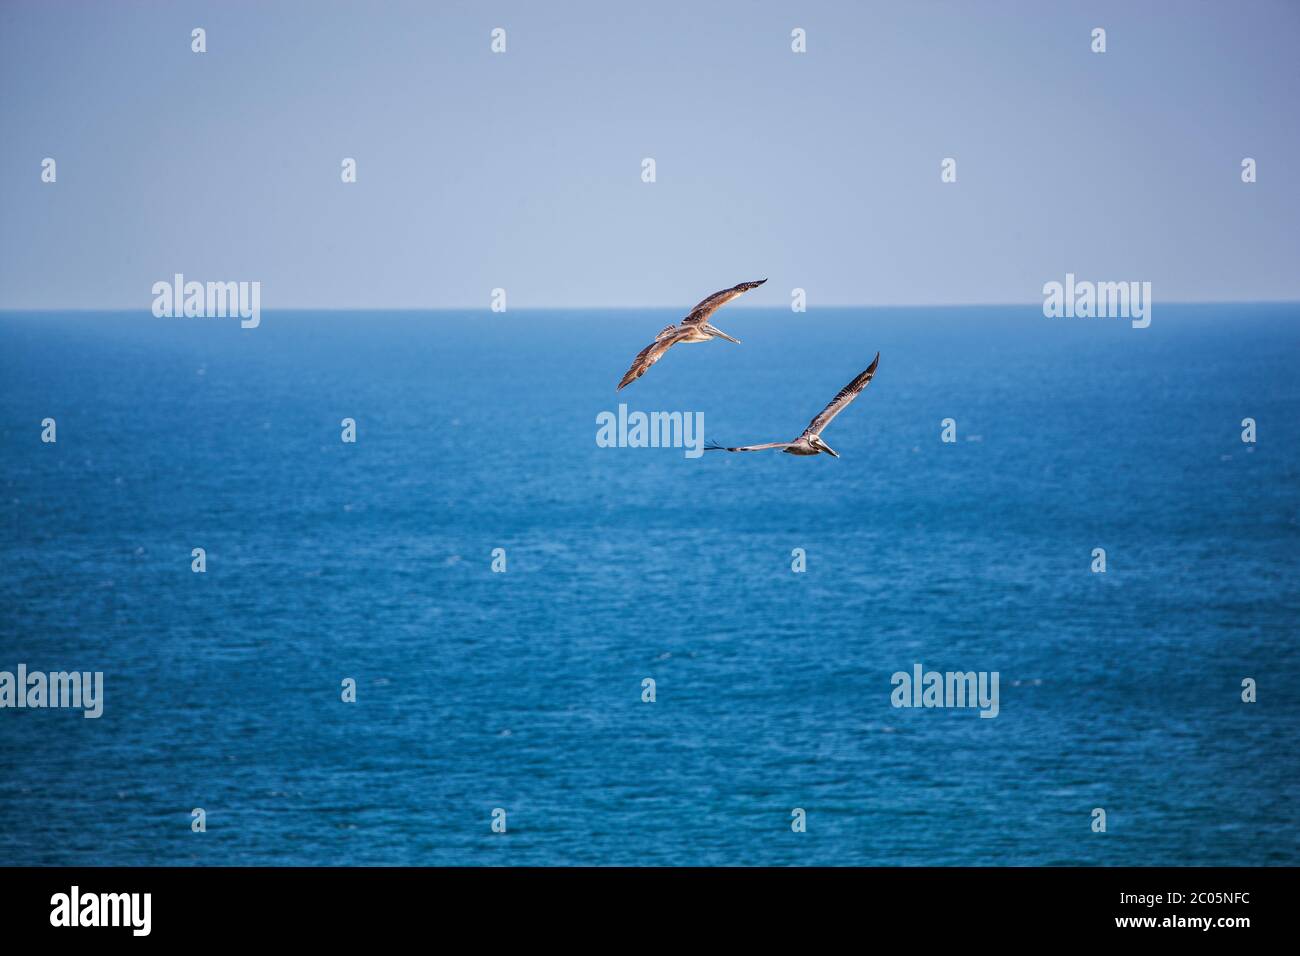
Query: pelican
810	442
694	328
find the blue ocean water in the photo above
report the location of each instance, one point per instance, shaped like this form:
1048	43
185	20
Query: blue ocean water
522	690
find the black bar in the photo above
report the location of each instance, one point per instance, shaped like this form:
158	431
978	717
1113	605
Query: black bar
205	905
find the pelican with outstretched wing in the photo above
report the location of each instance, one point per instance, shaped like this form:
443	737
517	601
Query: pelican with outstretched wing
810	442
694	328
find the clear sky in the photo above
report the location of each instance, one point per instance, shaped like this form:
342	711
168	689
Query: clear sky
522	170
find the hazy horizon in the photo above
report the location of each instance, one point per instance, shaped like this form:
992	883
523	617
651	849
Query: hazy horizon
731	309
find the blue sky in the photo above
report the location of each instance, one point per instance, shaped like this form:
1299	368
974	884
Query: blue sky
522	170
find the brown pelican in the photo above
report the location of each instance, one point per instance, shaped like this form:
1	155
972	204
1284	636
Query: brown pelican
694	328
810	442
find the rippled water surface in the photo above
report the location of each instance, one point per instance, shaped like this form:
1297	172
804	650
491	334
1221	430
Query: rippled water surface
522	690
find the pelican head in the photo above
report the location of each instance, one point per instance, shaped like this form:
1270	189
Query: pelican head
816	442
714	330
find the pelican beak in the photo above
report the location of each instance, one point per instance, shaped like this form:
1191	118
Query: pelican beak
717	331
827	448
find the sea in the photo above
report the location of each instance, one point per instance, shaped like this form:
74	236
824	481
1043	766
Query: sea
477	636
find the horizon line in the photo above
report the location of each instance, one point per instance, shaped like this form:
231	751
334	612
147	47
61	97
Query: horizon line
749	307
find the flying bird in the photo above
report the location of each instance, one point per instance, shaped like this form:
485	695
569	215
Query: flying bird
810	442
694	328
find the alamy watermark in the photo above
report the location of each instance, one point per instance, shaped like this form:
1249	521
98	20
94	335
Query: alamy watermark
923	688
208	300
1100	300
80	689
76	908
655	430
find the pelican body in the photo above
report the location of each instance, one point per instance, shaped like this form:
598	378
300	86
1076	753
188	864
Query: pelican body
810	442
694	328
807	444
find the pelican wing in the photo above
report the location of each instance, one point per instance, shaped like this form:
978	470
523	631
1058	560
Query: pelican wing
771	444
653	353
700	314
841	401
